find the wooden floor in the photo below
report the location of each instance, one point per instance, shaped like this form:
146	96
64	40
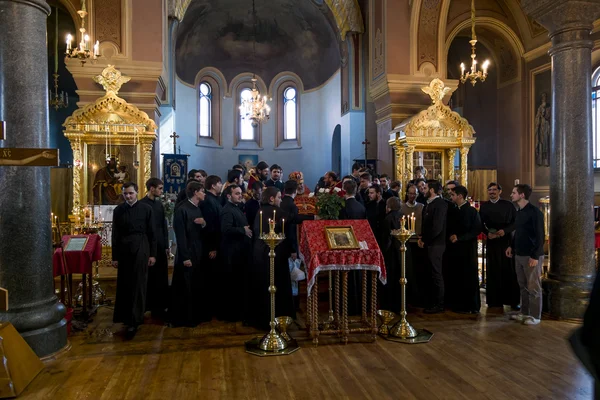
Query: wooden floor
484	357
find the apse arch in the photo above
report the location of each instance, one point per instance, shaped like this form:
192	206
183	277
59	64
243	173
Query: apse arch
497	27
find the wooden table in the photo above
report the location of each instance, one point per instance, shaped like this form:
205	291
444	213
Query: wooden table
318	258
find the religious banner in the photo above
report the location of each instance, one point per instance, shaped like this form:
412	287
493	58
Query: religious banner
175	172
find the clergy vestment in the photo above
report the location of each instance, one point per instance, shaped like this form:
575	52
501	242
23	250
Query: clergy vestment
376	212
211	241
463	271
278	184
189	283
235	248
433	235
389	294
133	243
158	274
450	290
501	280
259	280
251	208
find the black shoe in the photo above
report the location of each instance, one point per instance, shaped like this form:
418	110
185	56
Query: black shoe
434	310
130	332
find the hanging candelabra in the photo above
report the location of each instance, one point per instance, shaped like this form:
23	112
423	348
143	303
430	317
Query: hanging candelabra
254	106
473	74
82	51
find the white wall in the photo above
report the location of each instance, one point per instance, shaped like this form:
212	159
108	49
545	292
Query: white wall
319	114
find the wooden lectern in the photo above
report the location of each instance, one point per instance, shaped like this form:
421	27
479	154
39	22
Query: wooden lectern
19	365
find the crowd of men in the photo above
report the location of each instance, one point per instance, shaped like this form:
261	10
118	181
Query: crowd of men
221	269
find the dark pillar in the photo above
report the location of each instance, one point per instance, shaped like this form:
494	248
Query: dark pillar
572	268
25	238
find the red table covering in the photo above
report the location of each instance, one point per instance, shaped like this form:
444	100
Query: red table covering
597	234
318	257
78	262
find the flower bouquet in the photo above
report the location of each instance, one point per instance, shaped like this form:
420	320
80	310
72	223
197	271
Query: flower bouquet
330	202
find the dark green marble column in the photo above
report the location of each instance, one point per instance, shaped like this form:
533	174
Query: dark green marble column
25	238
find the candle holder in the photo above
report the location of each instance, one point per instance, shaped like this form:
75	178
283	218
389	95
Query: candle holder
386	318
403	331
273	343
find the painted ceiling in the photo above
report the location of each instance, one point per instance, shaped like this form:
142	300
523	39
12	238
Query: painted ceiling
291	35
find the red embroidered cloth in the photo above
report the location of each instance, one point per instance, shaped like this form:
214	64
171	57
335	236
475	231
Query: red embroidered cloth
78	262
318	257
597	234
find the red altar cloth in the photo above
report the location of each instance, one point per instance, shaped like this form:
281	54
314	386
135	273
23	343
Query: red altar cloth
318	257
597	235
79	262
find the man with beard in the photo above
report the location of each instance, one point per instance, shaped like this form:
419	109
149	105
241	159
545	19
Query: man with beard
211	247
236	238
252	206
234	177
133	251
464	274
261	175
158	275
386	192
306	204
275	179
330	180
498	218
433	239
191	283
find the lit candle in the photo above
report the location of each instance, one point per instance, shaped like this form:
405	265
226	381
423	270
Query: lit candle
283	226
51	217
402	222
87	42
97	48
260	229
69	38
462	69
273	215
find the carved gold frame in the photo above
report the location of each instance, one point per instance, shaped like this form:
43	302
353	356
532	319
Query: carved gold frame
123	122
436	128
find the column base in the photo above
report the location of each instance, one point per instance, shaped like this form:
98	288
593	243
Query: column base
43	326
566	300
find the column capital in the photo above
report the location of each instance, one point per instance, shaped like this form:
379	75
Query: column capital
561	15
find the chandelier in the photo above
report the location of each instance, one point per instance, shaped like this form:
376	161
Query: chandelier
57	100
473	74
254	106
82	51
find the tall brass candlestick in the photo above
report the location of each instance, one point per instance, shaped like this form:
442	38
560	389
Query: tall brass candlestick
403	329
273	343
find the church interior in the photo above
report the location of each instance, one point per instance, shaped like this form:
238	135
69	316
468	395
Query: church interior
473	91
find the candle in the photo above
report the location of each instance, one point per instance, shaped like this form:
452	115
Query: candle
260	229
412	223
516	182
283	226
87	42
97	48
51	217
273	215
69	38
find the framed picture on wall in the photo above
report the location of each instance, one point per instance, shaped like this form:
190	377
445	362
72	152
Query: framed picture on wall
248	160
541	120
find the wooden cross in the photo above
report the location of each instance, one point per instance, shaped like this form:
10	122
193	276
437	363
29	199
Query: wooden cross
174	136
366	143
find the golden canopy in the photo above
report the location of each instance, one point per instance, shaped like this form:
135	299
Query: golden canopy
431	139
109	126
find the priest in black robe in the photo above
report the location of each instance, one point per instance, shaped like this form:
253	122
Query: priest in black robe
260	275
389	294
376	211
498	218
190	280
133	251
464	274
157	299
236	245
212	257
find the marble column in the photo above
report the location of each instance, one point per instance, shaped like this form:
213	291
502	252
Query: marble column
25	238
572	269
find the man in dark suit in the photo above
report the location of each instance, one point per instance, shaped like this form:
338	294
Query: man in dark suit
386	191
363	189
376	211
433	238
275	179
353	209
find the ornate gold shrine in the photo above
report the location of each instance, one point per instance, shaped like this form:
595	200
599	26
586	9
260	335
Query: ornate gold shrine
432	138
109	126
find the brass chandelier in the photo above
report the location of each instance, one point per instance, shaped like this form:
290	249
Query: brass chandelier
57	100
254	106
82	51
473	75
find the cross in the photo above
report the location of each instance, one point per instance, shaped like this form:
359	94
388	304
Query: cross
366	143
26	157
174	136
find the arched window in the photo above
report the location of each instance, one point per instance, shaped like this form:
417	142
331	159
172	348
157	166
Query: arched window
246	129
596	117
290	114
205	110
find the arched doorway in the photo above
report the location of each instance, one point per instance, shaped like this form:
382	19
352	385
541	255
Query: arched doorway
336	149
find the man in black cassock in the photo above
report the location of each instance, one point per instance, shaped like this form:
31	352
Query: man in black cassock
252	206
389	294
294	219
352	208
376	211
211	242
190	280
193	175
133	251
433	239
260	271
450	290
158	275
463	254
498	219
236	244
